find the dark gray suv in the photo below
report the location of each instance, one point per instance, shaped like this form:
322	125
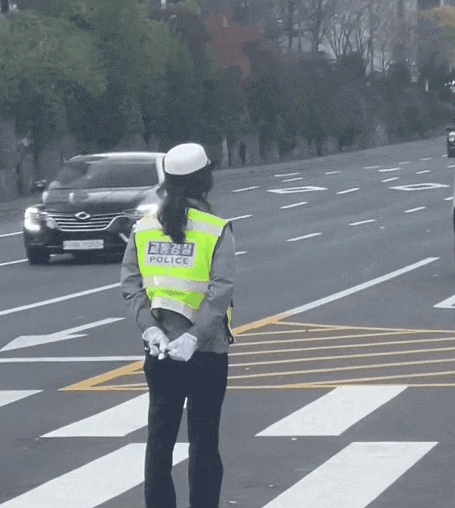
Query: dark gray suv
92	204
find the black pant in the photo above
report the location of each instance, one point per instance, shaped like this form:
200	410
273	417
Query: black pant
203	381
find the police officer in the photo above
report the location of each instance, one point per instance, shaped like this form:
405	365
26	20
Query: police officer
177	279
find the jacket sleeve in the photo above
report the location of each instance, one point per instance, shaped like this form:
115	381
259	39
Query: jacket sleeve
211	314
132	290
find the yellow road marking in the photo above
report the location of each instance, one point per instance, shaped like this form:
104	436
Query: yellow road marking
314	328
88	384
312	339
338	369
354	381
343	346
416	330
344	357
96	382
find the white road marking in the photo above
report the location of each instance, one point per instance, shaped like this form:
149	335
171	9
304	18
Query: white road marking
294	204
94	483
332	172
415	209
70	333
9	396
420	186
371	167
356	289
71	359
426	159
117	421
349	190
350	404
448	199
354	477
288	174
58	299
240	252
405	162
4	235
388	170
303	237
390	179
247	188
240	217
292	190
449	303
293	179
13	262
423	172
451	166
362	222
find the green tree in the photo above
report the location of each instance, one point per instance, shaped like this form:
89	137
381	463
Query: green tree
42	62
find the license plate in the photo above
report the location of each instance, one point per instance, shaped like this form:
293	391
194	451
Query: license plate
83	244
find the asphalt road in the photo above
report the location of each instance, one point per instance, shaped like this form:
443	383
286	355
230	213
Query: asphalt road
342	379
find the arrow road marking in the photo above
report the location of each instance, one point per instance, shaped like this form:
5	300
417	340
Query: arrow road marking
449	303
70	333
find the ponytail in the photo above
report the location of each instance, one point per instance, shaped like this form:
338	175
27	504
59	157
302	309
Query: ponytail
173	214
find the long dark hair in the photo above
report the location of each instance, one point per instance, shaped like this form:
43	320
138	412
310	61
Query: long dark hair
173	213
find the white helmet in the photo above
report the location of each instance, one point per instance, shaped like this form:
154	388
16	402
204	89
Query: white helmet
185	159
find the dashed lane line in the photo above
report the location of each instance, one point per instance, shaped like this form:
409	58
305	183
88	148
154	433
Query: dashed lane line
362	222
293	179
349	190
389	170
287	174
15	233
8	263
297	238
240	217
246	188
293	205
412	210
390	179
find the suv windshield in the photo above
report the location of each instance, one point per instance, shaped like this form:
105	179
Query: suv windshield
95	174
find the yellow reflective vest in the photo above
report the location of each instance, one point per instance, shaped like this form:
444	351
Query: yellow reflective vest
176	276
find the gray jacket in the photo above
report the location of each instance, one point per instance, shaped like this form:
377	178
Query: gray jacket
209	325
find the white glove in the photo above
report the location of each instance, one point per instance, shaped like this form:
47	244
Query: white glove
156	341
183	347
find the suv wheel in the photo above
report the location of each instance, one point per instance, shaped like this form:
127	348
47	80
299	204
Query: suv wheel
37	256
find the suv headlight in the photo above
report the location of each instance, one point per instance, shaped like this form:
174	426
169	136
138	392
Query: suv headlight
142	210
32	219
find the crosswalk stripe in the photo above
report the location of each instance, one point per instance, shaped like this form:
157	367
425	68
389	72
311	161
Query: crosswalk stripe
9	396
94	483
117	421
334	412
354	477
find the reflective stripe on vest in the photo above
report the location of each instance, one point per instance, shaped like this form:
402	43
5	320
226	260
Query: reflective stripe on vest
176	276
175	283
150	222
